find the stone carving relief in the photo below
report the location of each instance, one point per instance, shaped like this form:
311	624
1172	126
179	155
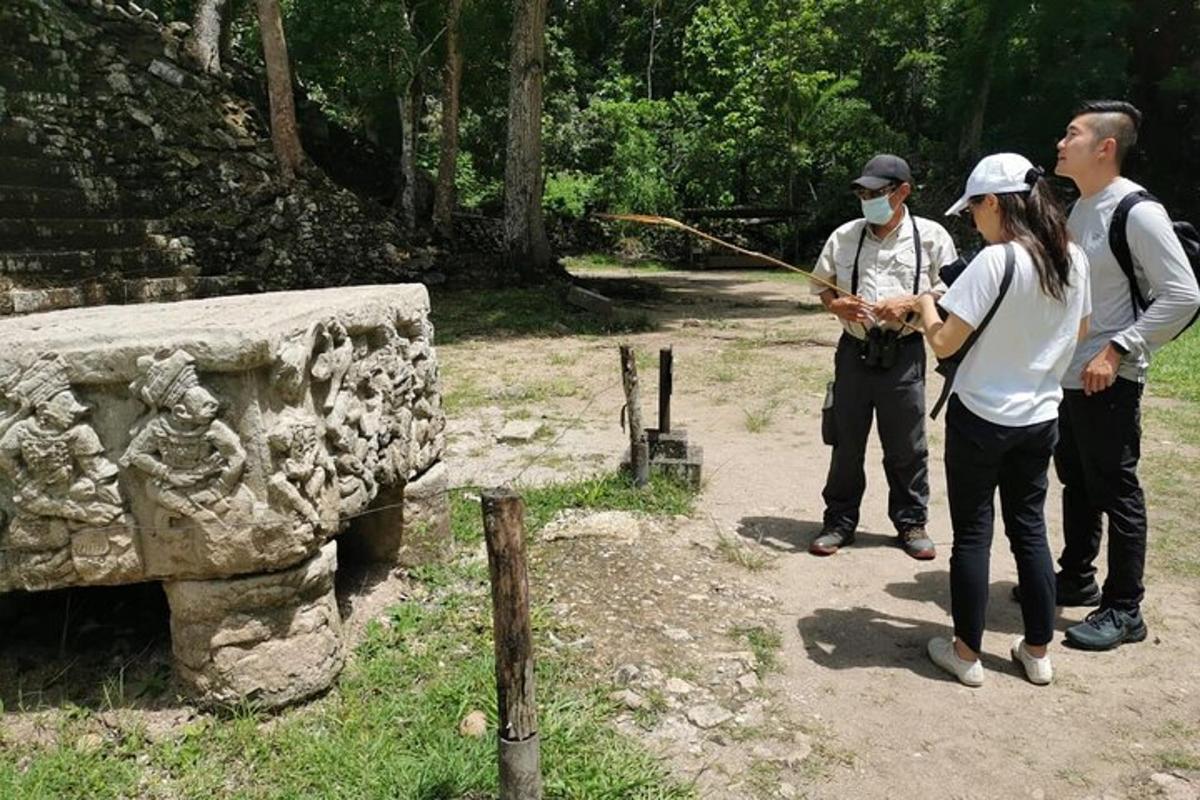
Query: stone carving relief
305	473
192	461
68	515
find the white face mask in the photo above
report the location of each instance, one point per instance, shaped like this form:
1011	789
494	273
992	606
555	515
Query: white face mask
877	210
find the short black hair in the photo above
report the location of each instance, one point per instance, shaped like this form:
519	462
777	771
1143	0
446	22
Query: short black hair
1115	119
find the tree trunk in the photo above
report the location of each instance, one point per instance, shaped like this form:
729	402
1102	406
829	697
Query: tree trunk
203	44
445	196
993	28
408	103
653	44
284	135
524	227
233	10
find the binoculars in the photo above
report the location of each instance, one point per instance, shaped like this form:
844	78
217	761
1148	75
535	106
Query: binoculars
880	349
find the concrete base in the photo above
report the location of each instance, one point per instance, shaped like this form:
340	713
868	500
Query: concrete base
671	455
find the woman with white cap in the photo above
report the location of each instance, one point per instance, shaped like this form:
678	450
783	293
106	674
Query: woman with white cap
1013	316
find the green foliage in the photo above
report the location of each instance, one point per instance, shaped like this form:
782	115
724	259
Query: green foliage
1175	370
568	193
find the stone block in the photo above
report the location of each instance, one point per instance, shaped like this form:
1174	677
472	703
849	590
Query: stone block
269	639
227	438
407	525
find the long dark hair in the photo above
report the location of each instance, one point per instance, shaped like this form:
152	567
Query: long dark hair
1036	220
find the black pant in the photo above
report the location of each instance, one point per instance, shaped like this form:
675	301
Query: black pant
896	397
981	456
1100	441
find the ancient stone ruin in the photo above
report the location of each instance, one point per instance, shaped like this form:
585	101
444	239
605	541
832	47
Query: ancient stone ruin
224	447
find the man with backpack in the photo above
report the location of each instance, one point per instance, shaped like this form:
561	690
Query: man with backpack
1144	293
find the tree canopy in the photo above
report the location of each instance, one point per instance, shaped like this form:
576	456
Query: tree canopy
657	105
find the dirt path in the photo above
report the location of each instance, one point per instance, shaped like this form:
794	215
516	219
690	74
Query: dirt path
854	708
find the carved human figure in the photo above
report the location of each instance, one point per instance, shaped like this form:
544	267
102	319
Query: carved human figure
194	461
55	462
304	466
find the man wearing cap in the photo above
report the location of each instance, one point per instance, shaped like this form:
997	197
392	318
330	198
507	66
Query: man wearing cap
1100	420
880	263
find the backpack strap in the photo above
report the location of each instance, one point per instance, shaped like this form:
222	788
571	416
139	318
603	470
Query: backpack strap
1118	242
1010	263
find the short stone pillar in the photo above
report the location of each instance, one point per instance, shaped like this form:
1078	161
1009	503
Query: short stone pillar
218	446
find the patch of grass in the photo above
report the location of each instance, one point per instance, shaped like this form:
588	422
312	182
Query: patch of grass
1169	477
745	556
1175	370
607	492
1177	760
603	261
764	642
459	315
762	779
460	394
759	419
1178	422
389	729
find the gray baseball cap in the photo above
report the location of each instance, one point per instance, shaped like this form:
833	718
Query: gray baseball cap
883	169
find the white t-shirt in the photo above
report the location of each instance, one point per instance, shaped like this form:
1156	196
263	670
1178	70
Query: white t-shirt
1013	374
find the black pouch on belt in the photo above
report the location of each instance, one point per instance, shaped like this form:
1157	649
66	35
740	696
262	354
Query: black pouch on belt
828	422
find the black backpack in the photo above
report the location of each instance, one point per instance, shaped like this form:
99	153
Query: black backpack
1118	242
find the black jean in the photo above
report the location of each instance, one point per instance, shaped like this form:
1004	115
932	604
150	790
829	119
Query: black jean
896	397
981	457
1100	442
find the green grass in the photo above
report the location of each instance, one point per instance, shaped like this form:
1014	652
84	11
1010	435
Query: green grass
608	492
460	315
389	729
602	261
1175	369
764	642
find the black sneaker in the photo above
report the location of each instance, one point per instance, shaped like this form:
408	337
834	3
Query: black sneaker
1069	596
1105	628
830	541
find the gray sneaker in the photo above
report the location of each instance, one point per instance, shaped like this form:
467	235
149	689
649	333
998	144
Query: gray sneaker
1105	628
916	543
830	541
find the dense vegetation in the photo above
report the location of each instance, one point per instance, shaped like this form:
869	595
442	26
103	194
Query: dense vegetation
657	105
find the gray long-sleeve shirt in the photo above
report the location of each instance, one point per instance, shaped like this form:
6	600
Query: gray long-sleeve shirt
1163	274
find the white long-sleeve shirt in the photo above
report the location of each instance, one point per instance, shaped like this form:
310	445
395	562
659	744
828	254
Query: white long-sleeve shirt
1162	271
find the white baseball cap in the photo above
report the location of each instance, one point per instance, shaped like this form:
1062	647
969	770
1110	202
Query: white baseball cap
998	173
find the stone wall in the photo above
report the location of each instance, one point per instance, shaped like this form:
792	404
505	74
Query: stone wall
223	442
126	176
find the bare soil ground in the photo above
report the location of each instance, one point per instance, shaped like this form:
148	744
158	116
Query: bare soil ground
760	671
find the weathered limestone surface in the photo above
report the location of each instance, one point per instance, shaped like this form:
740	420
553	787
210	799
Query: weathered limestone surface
271	639
217	438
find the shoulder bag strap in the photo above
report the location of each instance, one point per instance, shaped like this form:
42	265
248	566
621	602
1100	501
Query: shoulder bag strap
1010	263
862	237
917	249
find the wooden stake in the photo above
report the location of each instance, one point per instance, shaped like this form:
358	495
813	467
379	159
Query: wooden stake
666	364
520	759
639	447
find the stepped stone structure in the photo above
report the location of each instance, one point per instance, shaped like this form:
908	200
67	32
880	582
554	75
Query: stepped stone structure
126	175
224	447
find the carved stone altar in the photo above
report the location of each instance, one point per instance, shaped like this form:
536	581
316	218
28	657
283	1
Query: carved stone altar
220	446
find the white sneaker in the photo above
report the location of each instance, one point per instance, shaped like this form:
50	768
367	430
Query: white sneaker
969	673
1038	670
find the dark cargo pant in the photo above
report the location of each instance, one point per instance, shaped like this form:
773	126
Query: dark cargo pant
896	398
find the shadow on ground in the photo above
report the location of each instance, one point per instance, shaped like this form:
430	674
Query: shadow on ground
860	638
790	535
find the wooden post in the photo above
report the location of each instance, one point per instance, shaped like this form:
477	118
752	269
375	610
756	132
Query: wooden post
666	366
520	759
639	447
